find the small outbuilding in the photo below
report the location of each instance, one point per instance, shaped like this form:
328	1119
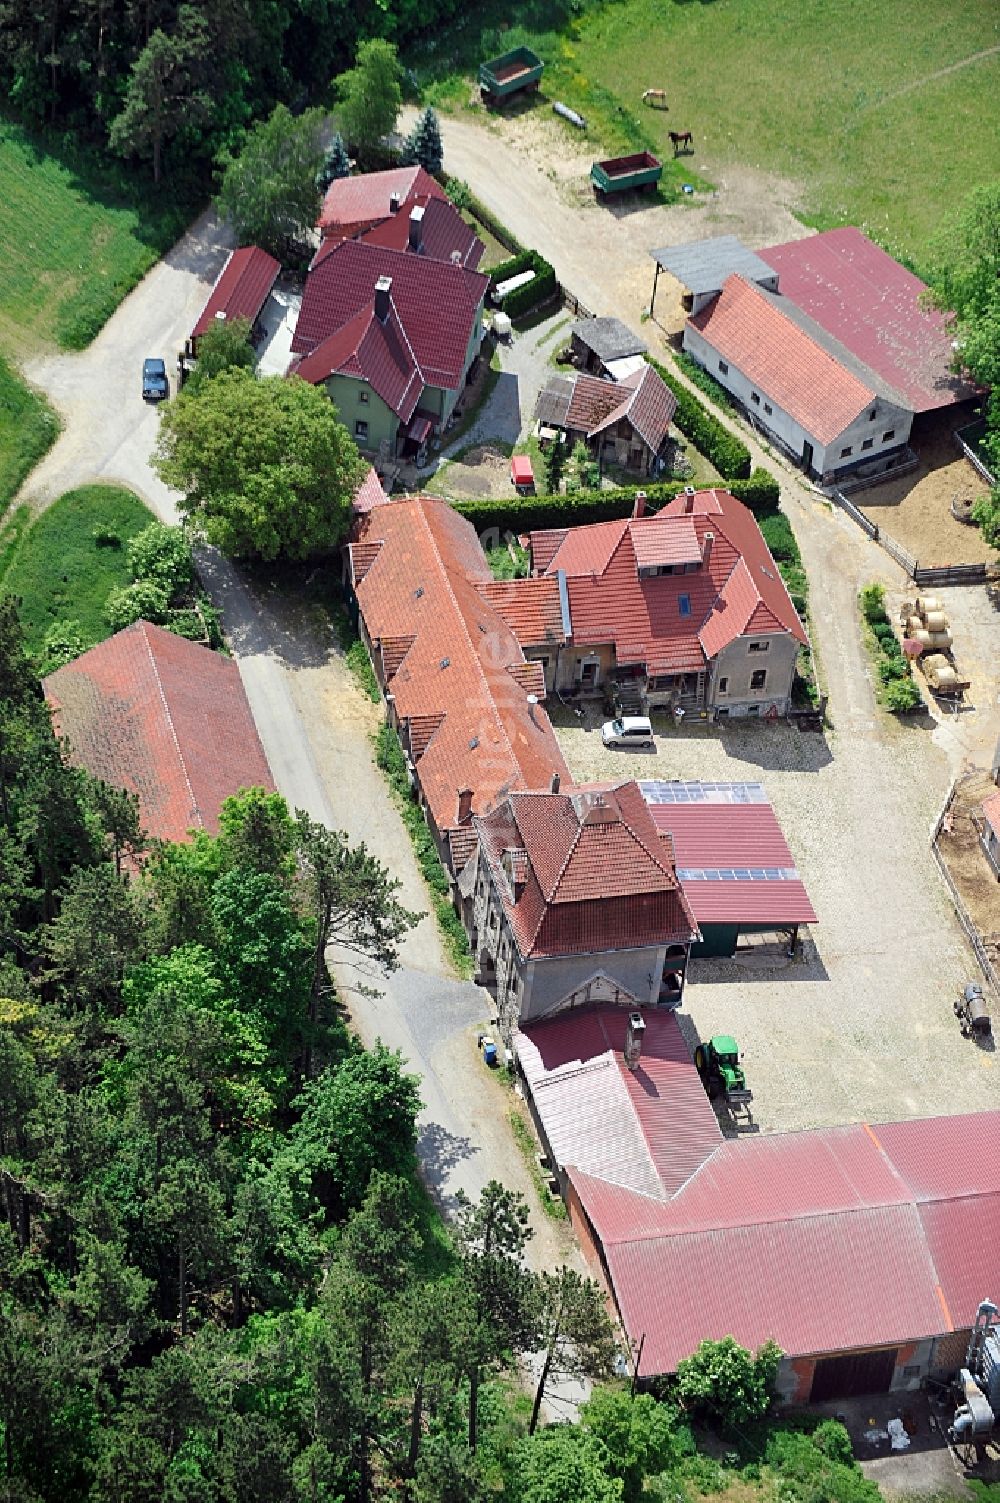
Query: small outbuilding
243	287
604	346
989	833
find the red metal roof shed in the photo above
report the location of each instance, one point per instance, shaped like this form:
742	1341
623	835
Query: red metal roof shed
242	289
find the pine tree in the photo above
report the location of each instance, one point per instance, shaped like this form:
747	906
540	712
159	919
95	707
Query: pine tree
423	145
336	163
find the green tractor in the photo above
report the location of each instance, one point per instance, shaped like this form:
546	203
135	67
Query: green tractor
718	1064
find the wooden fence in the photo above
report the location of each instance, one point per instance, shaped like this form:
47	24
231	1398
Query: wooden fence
951	574
937	574
964	916
972	456
573	303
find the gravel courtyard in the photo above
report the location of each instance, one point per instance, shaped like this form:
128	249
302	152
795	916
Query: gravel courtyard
862	1027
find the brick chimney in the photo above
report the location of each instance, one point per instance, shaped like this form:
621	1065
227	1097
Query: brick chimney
639	509
464	814
416	235
554	783
633	1039
706	556
383	292
689	498
394	203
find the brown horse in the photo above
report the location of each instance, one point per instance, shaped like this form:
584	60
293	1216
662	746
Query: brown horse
681	138
657	97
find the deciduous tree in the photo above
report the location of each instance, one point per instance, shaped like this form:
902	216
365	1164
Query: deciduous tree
370	95
268	188
224	346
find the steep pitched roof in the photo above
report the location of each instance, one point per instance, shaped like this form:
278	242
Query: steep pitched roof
444	234
589	404
242	287
436	304
417	569
598	877
738	592
872	305
372	351
164	718
747	327
530	607
352	204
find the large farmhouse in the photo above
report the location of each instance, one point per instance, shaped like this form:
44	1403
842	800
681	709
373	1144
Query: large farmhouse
391	318
862	1251
825	342
685	609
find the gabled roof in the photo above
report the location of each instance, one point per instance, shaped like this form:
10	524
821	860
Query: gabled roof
164	718
242	288
608	338
589	404
444	234
746	327
352	204
786	1236
872	305
369	493
991	811
436	304
369	350
530	607
417	570
598	876
739	592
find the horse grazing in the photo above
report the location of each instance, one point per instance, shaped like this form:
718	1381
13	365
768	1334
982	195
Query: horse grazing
679	138
657	97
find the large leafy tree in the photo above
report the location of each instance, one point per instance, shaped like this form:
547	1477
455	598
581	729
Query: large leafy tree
642	1437
564	1464
727	1384
224	346
577	1338
370	95
264	468
166	90
269	188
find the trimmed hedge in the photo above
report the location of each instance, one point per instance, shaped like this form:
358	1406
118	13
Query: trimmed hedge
541	287
723	449
520	514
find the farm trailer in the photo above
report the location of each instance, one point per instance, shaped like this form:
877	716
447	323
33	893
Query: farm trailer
504	76
626	174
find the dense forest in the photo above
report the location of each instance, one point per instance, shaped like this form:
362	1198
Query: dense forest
119	69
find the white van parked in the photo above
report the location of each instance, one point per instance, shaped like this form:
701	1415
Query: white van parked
630	730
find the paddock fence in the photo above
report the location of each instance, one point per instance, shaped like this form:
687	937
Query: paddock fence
973	935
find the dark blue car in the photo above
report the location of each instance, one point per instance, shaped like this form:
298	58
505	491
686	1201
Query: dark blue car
154	381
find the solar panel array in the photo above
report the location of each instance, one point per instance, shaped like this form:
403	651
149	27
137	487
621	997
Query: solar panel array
662	792
738	874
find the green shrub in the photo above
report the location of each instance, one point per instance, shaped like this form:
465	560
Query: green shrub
883	630
541	287
890	668
520	514
105	539
872	600
808	1473
723	449
463	197
186	623
780	538
986	515
901	694
162	554
727	1384
832	1439
144	600
63	642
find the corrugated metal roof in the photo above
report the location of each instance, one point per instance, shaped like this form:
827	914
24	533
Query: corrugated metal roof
945	1156
242	289
609	338
964	1241
872	306
703	265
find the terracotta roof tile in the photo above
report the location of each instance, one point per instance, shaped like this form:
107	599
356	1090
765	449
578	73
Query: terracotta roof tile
444	234
530	608
747	328
352	204
164	718
242	289
991	810
369	350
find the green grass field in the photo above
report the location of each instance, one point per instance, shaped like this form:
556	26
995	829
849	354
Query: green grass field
74	239
61	572
876	113
28	427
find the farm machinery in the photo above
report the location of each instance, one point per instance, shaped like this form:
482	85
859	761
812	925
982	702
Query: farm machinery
978	1383
718	1064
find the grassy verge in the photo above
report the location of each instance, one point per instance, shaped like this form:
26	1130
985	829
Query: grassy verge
708	384
390	760
528	1144
781	540
70	559
355	654
508	561
28	428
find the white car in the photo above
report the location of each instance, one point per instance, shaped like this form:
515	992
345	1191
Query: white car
630	730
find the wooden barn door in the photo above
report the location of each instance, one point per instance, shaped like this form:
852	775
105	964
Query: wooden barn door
856	1373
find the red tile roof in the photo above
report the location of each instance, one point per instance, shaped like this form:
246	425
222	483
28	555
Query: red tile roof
590	1102
369	350
417	569
353	204
164	718
444	234
599	878
530	608
436	304
369	493
746	328
642	399
869	303
242	289
991	810
739	592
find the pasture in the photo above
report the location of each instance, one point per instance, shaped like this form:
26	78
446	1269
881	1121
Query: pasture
75	238
28	427
66	563
880	116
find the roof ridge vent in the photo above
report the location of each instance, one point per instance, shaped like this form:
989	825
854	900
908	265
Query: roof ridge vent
445	663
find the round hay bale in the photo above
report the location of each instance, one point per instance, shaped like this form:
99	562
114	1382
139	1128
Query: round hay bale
936	621
927	603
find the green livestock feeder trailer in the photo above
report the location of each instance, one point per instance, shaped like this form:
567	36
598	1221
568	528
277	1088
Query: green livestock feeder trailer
640	171
718	1064
510	74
